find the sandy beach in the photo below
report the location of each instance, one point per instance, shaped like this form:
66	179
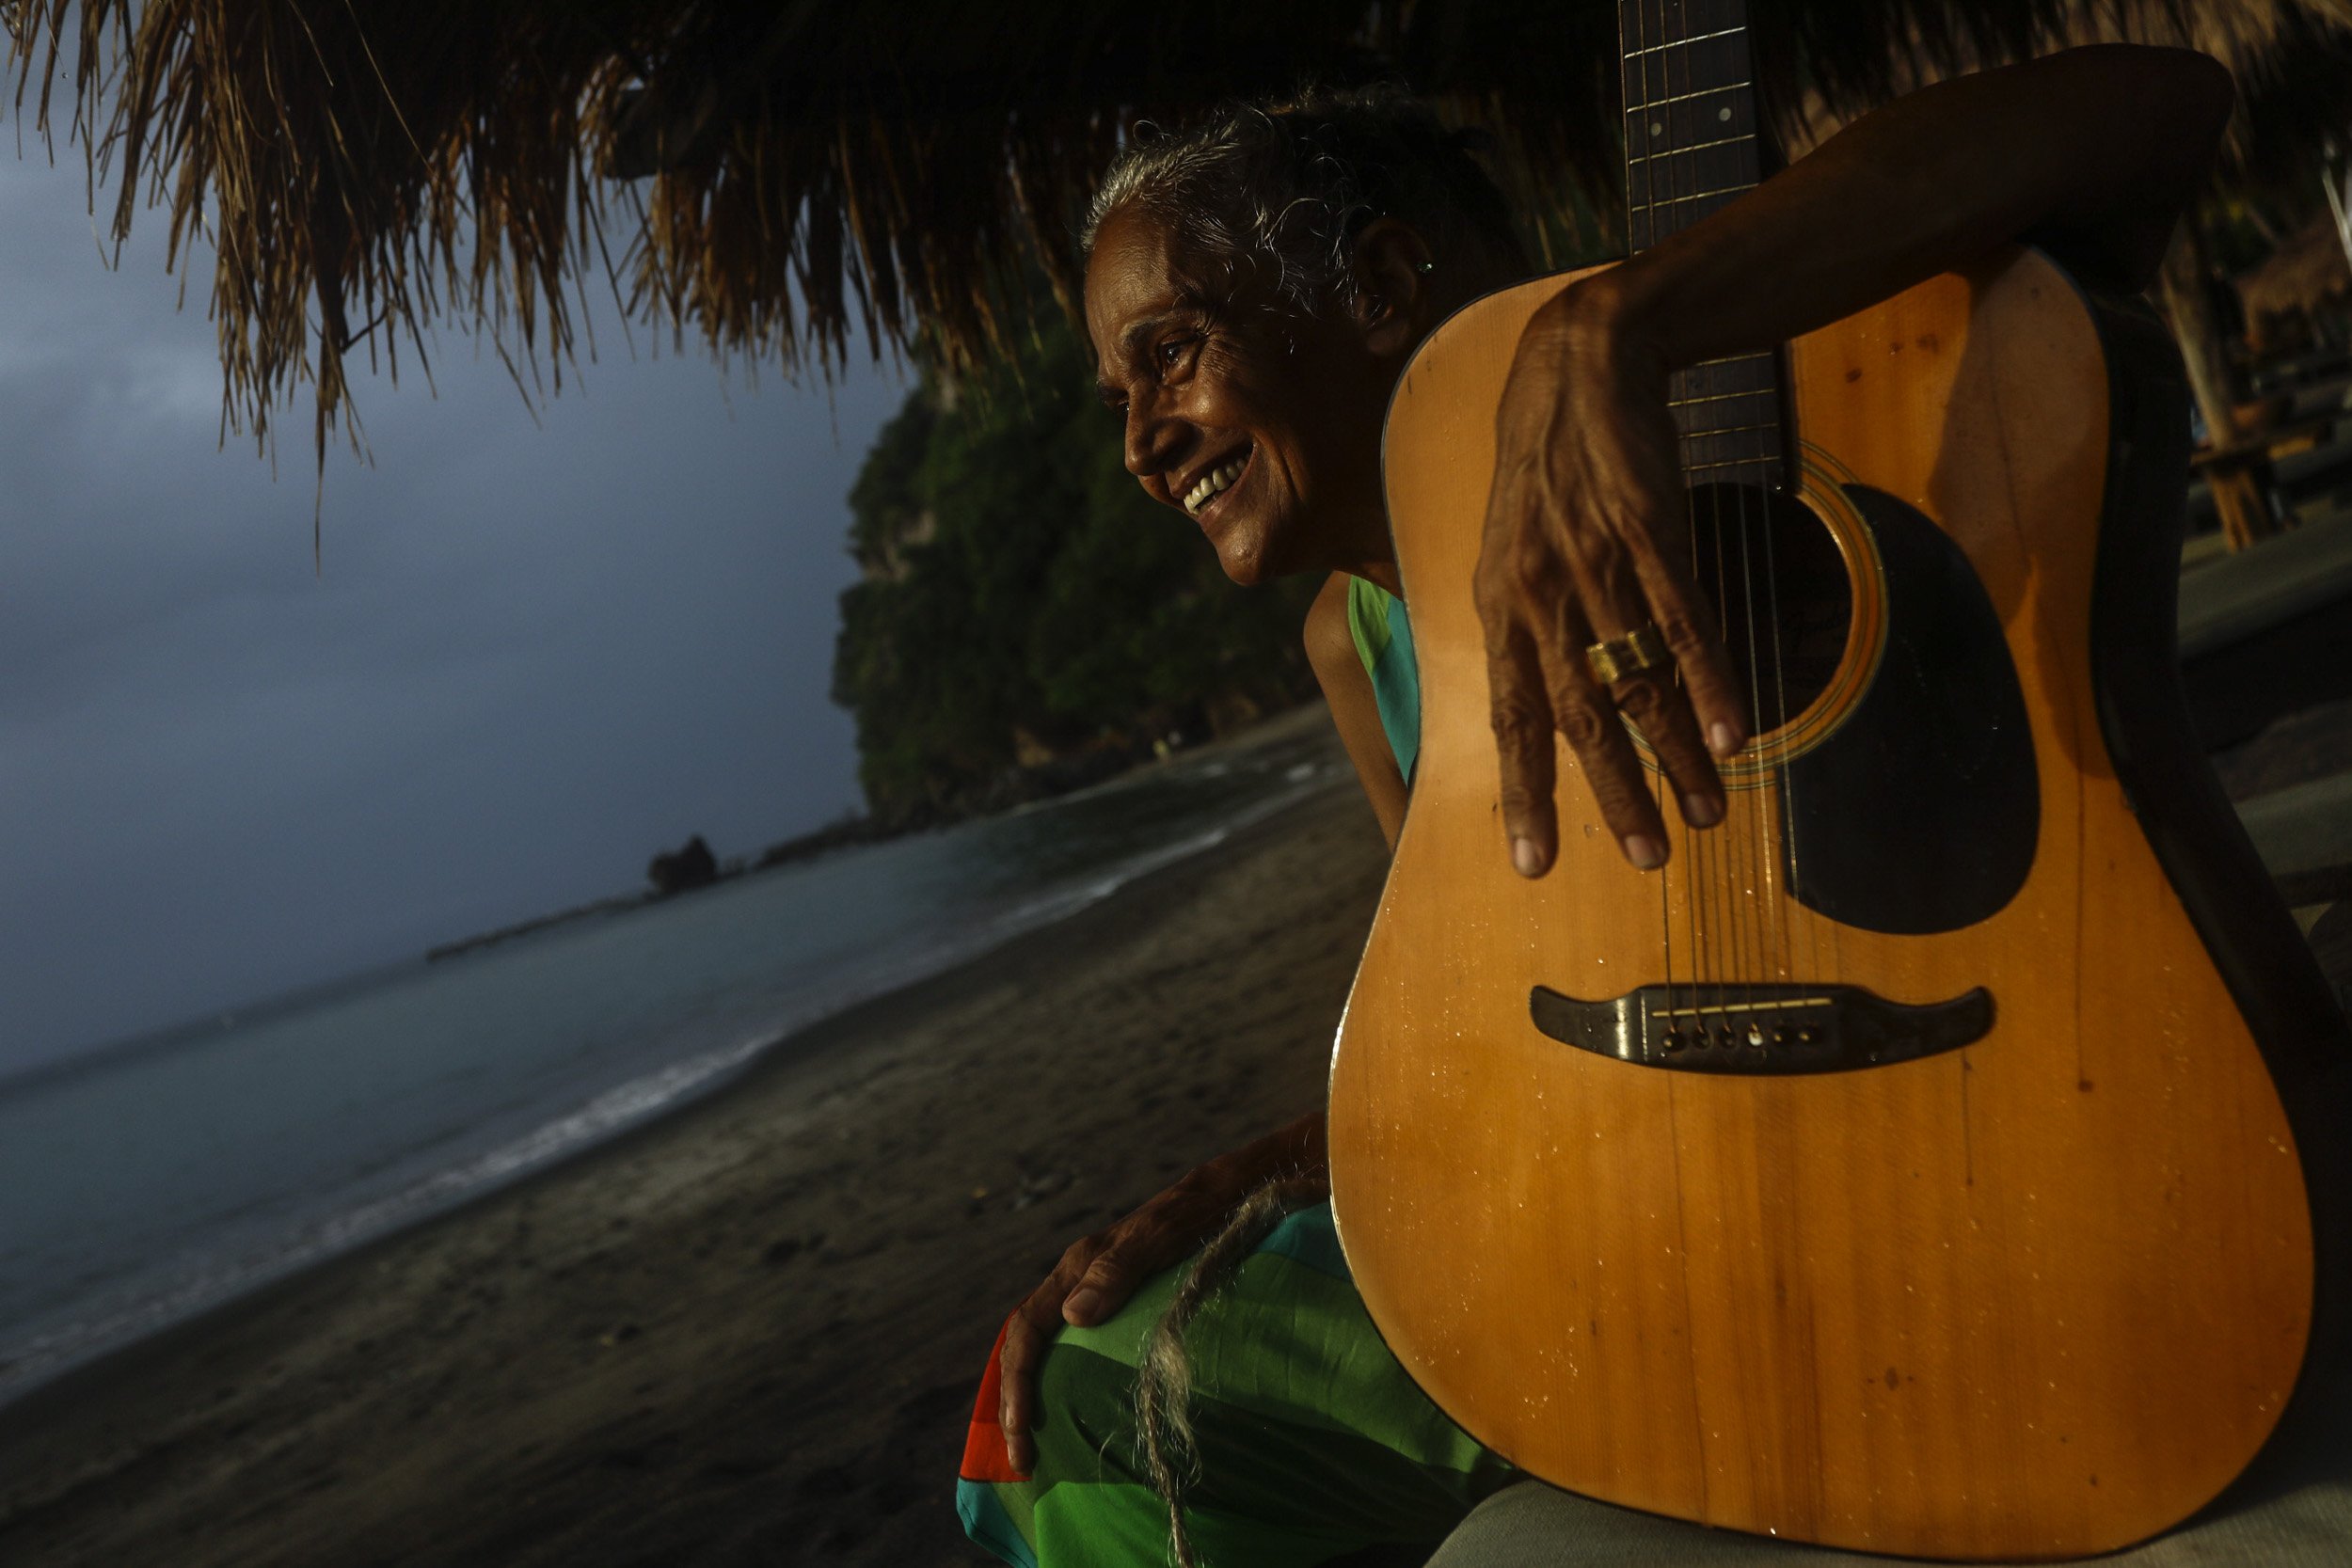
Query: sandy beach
750	1332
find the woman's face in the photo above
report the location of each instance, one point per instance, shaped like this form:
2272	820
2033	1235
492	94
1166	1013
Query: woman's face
1260	425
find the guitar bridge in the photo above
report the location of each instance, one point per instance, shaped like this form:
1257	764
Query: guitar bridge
1761	1030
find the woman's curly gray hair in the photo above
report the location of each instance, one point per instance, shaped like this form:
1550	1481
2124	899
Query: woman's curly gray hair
1281	189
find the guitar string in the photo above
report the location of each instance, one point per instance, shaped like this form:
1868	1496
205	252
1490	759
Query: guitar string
1697	851
1721	858
1740	851
1740	846
1723	379
1778	863
1772	445
1649	182
1758	896
1750	901
1636	134
1709	862
1637	114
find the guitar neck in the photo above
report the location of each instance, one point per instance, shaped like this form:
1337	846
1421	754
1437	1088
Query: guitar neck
1691	144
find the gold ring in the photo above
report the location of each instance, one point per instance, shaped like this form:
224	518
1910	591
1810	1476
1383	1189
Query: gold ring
1643	648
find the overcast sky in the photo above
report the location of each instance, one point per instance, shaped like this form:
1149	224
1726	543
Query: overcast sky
537	654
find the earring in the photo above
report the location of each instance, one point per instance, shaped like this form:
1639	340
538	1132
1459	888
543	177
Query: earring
1424	268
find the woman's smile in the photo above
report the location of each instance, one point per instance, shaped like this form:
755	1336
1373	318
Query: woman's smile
1207	494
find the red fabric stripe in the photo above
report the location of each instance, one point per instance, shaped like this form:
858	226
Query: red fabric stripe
984	1455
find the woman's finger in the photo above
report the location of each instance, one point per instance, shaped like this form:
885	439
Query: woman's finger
1026	1336
1524	747
1709	690
1583	712
1017	1384
1652	701
1103	1289
1656	701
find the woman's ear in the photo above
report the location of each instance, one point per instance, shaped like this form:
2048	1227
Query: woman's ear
1393	300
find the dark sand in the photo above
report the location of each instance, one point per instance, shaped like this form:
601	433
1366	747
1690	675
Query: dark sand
750	1333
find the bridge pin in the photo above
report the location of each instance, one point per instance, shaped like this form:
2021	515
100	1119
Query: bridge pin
1673	1039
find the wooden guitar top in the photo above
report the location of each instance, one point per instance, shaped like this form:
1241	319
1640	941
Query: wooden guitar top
2036	1295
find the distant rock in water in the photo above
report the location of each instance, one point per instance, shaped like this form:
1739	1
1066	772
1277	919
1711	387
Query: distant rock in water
675	870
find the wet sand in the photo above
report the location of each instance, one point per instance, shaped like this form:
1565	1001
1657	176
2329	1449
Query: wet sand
748	1333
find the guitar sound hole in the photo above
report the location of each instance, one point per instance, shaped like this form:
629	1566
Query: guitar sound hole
1779	585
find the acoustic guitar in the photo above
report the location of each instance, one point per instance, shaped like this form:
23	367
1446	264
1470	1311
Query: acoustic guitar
1930	1159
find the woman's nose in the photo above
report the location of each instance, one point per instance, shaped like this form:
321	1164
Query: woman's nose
1152	438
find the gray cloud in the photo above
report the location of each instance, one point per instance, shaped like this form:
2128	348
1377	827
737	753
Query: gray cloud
536	654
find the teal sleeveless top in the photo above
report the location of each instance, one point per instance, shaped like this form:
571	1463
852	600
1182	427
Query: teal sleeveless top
1384	640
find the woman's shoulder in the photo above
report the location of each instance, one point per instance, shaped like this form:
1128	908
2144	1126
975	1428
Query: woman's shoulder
1349	623
1329	632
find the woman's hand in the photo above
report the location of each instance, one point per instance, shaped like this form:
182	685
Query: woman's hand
1099	1272
2093	152
1585	542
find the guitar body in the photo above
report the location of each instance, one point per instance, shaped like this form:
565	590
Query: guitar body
2028	1272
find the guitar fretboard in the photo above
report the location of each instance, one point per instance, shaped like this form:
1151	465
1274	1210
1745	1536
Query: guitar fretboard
1691	147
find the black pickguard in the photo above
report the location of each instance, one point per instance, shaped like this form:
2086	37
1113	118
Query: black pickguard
1921	811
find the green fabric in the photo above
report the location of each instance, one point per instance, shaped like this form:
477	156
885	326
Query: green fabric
1313	1442
1384	640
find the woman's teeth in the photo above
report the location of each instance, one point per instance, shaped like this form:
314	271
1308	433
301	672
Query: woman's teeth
1214	483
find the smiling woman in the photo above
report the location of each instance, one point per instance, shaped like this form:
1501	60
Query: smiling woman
1253	289
1254	292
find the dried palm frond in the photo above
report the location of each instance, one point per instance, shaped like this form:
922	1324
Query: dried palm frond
778	178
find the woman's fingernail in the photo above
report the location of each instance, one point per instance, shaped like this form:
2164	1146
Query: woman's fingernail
1702	811
1644	851
1526	857
1722	738
1082	1305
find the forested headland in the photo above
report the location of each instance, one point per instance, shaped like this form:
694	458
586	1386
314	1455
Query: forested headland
1028	620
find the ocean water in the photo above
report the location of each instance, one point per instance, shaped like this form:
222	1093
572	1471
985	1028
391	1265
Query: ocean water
146	1182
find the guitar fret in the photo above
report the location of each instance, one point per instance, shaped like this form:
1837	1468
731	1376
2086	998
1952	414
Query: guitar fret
1720	396
1694	147
1704	105
1684	97
1701	195
1728	430
1681	44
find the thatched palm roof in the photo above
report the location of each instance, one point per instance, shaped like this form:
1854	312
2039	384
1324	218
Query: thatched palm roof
773	176
2307	274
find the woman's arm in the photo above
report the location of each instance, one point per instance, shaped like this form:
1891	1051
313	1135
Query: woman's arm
1354	711
2092	152
1099	1272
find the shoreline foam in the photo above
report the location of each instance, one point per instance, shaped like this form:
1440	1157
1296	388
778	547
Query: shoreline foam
755	1318
233	1266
